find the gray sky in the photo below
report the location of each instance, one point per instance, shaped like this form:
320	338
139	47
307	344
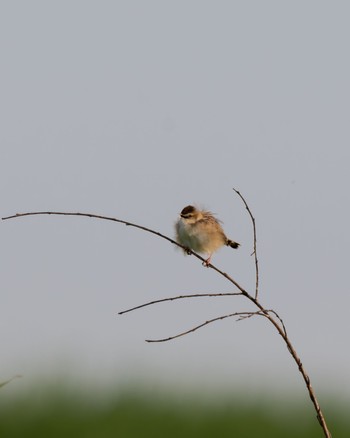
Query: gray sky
135	109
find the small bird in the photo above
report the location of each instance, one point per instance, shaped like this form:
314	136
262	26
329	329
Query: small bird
200	231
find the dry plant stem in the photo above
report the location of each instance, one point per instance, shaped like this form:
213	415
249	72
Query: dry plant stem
277	323
254	244
282	331
242	315
10	380
179	297
113	219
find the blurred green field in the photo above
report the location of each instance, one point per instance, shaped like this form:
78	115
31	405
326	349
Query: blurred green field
62	413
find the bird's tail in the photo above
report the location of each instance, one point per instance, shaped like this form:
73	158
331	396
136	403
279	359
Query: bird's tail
232	244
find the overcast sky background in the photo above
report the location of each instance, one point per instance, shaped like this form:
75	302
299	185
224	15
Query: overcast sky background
135	109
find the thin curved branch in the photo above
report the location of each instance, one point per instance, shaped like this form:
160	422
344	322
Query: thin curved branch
280	319
96	216
17	376
149	230
179	297
254	243
219	318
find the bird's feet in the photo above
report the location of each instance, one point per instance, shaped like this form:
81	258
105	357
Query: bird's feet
206	263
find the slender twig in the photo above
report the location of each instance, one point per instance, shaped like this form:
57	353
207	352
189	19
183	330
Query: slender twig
268	314
179	297
96	216
9	380
149	230
250	314
280	319
254	243
219	318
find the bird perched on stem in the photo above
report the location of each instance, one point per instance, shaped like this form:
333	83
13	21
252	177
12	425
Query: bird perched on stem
200	231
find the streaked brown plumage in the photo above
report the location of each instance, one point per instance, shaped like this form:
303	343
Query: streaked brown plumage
201	232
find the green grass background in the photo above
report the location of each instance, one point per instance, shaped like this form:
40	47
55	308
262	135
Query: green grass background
63	412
